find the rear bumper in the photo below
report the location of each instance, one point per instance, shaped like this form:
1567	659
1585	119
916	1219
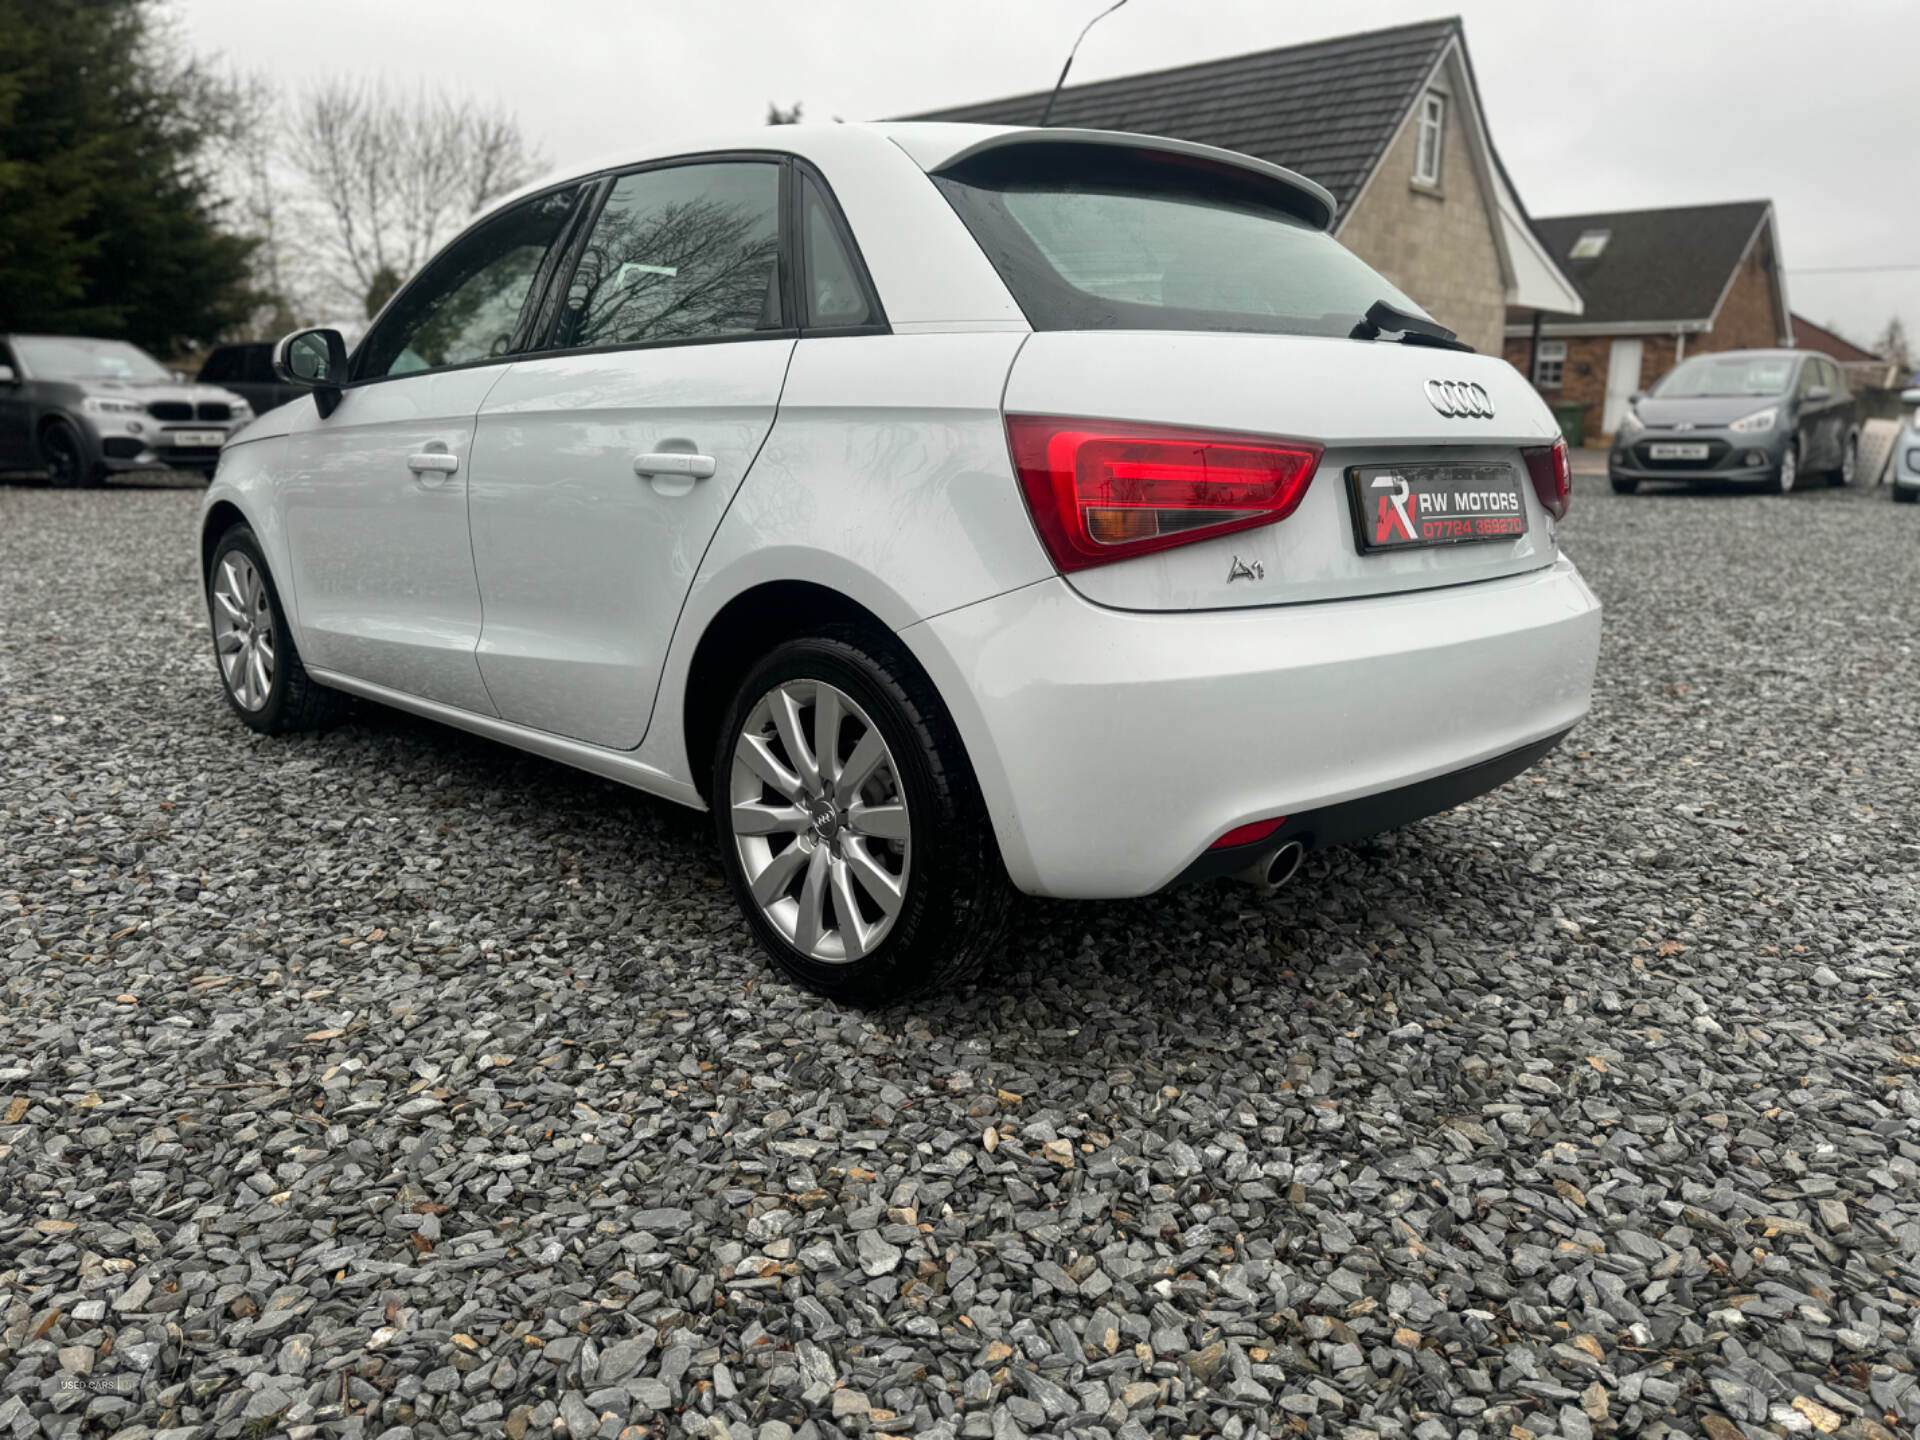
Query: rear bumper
1113	747
1356	819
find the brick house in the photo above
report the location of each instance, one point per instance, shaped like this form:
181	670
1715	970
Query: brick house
1863	369
1390	122
1659	285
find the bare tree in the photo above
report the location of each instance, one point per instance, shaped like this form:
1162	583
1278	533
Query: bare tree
391	176
1892	345
778	114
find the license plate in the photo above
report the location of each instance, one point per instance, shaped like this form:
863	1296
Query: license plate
196	439
1402	507
1676	452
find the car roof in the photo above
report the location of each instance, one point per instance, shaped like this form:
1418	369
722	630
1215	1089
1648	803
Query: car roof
932	145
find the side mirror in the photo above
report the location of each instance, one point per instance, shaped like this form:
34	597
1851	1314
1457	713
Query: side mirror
1907	397
314	360
7	377
1818	394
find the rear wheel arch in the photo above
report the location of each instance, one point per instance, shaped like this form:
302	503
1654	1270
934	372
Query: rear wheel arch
743	631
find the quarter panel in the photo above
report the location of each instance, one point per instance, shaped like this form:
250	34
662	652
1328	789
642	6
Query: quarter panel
886	478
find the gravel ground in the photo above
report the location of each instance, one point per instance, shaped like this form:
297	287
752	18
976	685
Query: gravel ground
389	1083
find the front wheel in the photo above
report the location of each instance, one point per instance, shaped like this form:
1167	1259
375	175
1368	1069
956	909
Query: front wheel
1788	474
260	670
65	453
850	824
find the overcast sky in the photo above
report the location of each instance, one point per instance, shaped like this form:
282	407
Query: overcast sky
1603	104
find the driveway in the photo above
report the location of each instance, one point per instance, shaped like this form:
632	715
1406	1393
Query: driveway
388	1082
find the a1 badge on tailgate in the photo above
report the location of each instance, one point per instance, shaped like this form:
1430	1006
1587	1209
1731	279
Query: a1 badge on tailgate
1403	507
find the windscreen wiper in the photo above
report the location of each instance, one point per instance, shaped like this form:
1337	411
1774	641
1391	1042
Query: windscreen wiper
1382	318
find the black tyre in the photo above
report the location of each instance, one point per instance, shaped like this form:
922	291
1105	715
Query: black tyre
260	670
69	464
1786	472
850	824
1904	496
1849	462
1623	486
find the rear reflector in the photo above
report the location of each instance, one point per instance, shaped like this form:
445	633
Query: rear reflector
1102	492
1247	834
1552	470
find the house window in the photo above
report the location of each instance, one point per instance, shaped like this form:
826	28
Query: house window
1549	364
1590	244
1433	121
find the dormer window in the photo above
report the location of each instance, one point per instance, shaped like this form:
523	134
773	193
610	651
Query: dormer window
1589	245
1433	129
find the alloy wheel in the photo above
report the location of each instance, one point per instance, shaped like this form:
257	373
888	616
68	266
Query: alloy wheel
243	630
1849	463
819	820
1789	469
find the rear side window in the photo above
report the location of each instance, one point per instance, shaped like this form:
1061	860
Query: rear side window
690	252
1099	237
835	296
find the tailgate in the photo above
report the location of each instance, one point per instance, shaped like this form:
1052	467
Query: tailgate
1368	403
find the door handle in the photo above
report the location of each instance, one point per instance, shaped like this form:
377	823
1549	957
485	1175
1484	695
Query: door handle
674	462
433	462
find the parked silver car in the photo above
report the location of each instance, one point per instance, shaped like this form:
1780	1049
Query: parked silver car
1906	452
80	409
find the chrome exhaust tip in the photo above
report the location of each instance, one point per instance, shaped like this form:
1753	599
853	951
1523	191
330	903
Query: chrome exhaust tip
1272	871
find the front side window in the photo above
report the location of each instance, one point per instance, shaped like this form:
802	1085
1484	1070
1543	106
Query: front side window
1100	238
1550	364
1724	377
690	252
466	306
1433	125
66	357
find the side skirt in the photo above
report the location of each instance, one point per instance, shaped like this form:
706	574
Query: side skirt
616	765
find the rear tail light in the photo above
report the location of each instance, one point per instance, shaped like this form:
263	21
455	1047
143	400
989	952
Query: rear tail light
1552	470
1247	834
1102	492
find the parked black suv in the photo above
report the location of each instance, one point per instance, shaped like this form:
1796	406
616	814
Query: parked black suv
1757	417
247	370
79	409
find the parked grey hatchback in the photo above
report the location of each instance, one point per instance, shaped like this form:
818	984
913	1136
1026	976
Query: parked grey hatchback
1748	417
79	408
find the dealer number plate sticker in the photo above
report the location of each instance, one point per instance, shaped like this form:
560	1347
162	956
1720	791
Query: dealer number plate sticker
1403	507
1676	452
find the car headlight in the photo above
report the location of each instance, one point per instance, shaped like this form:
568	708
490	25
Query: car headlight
1757	423
240	409
1631	424
108	405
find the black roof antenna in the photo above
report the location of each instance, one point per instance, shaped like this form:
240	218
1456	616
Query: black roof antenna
1046	116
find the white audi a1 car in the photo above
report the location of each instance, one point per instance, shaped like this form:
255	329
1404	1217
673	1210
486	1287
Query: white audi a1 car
952	510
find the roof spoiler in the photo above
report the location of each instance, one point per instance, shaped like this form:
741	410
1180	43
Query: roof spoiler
1317	201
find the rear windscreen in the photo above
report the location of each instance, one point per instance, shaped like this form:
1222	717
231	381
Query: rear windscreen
1101	237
